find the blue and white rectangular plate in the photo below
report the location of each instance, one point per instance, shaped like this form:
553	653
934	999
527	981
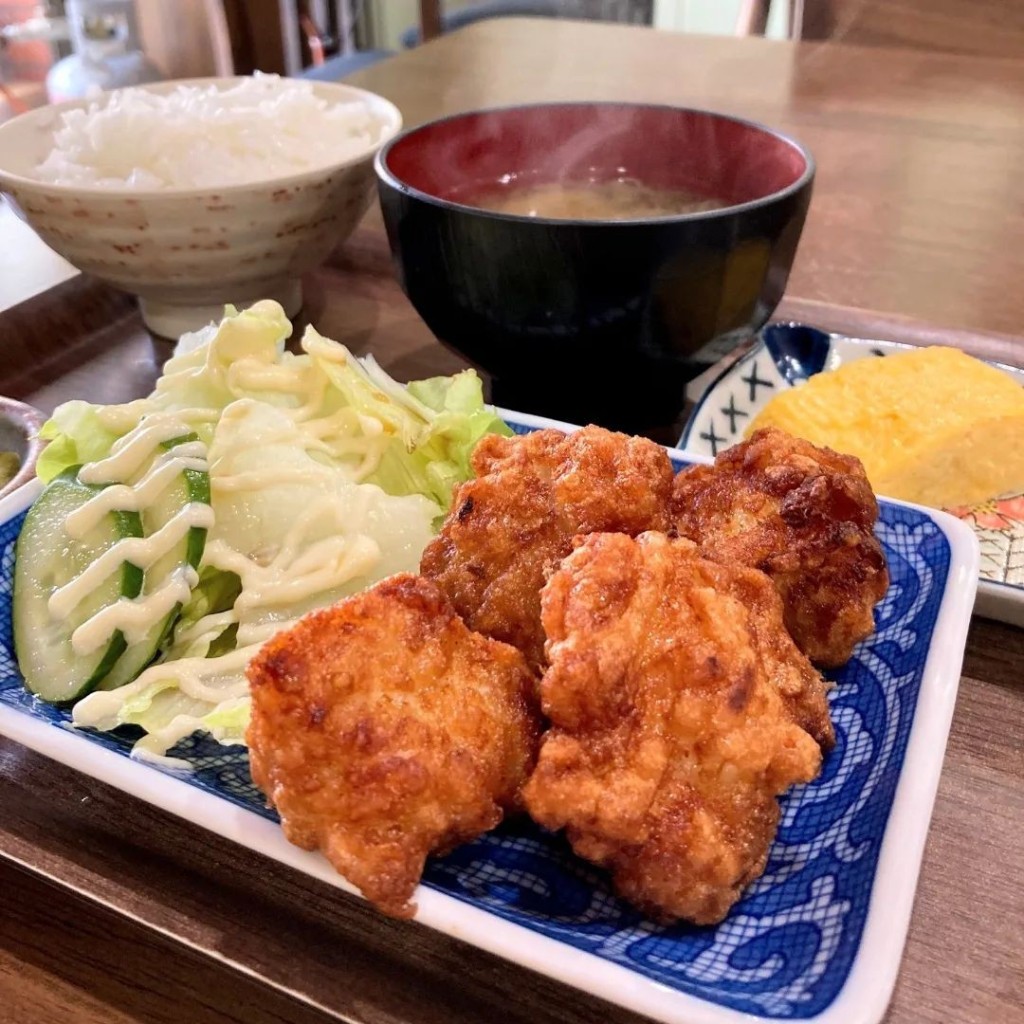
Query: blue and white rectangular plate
787	354
819	936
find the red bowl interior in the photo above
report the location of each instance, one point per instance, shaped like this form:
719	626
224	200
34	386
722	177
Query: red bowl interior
664	147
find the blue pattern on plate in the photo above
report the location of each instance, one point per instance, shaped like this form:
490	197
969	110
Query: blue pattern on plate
786	355
786	949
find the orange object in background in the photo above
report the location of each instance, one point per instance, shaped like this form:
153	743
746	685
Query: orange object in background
24	61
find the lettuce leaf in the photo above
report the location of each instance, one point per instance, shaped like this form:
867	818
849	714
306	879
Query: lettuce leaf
75	435
462	420
430	426
165	713
422	434
198	376
216	591
326	475
290	534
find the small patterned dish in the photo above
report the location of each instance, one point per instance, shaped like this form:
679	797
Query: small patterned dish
19	433
819	936
787	354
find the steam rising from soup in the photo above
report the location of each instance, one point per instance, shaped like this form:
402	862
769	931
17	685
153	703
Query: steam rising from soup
623	199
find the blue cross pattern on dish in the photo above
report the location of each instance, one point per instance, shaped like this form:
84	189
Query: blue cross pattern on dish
787	947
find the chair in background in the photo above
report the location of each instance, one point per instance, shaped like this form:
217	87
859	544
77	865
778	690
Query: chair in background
434	21
335	68
753	17
989	28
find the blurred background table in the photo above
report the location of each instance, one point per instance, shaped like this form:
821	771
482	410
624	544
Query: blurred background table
112	911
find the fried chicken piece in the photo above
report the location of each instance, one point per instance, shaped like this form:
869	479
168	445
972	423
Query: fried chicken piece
516	521
383	730
805	516
671	689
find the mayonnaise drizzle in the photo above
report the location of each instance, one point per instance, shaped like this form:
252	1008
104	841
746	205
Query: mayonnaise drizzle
320	557
134	497
122	418
249	376
206	629
297	571
135	617
152	746
323	566
131	454
100	708
141	551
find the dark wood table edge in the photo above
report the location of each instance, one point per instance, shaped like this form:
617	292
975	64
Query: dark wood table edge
176	937
94	312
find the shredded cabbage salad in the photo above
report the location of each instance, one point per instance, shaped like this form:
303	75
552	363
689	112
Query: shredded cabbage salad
325	476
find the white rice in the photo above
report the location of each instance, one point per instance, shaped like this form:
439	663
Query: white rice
204	137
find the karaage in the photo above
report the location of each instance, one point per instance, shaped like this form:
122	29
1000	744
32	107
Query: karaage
515	522
671	691
805	516
383	730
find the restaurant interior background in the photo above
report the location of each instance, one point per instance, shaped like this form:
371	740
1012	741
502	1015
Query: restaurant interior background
41	59
918	132
184	38
328	38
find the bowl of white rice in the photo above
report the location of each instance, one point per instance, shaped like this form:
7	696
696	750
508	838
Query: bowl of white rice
198	193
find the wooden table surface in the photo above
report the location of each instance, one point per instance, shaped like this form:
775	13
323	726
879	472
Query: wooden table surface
111	911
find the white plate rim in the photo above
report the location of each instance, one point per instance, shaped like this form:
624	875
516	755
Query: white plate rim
867	990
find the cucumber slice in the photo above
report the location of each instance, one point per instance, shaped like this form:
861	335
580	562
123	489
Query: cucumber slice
192	485
47	558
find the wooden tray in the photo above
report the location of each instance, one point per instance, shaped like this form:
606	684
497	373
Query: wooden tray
114	911
82	339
